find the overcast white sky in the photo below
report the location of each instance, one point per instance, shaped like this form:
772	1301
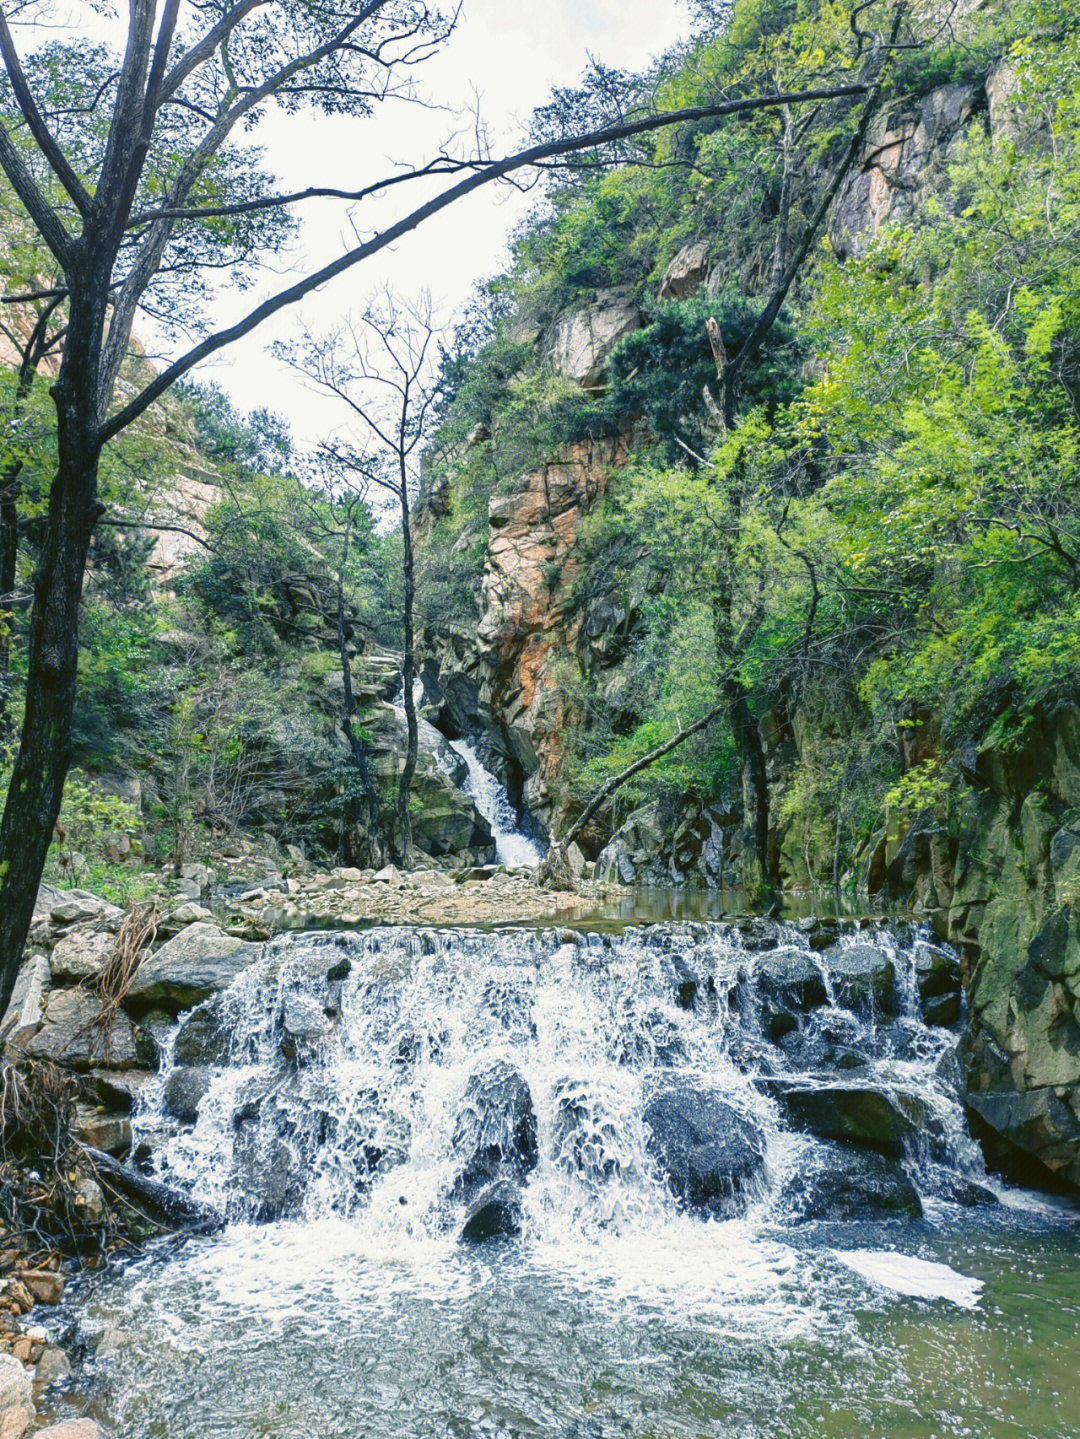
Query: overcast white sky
512	53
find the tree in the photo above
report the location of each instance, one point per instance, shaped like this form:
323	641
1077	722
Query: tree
145	189
379	366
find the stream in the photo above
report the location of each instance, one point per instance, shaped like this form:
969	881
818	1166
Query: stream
375	1103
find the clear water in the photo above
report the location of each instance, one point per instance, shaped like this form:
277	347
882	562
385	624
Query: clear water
613	1313
513	847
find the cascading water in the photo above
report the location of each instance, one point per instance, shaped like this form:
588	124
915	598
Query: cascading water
646	1128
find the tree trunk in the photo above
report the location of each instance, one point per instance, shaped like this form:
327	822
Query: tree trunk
360	820
755	786
41	765
9	553
403	836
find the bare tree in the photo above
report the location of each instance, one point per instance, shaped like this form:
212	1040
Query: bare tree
131	159
379	366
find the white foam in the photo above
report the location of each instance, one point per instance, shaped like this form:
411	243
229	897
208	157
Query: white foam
904	1274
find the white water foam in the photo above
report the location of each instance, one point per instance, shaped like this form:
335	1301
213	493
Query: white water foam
905	1274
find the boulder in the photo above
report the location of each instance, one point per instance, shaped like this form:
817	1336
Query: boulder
939	984
851	1184
787	983
71	1033
80	954
708	1152
863	977
856	1114
686	274
16	1384
27	1006
495	1131
78	906
494	1213
204	1036
70	1429
585	338
184	1090
198	963
102	1129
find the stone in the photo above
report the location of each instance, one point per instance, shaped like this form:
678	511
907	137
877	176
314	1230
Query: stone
494	1213
52	1366
98	1128
70	1429
15	1422
204	1036
495	1131
80	954
585	338
16	1385
27	1006
851	1184
184	1090
71	1034
709	1153
198	963
78	906
687	272
854	1114
45	1285
111	1340
89	1198
863	977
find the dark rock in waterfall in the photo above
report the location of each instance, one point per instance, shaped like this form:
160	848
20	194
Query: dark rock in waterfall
787	983
939	983
850	1184
203	1037
184	1090
863	977
495	1132
686	983
494	1213
709	1153
888	1122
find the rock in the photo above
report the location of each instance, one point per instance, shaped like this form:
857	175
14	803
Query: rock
70	1429
306	1028
116	1089
89	1198
709	1153
26	1009
16	1384
80	954
863	977
851	1184
686	274
942	1010
16	1421
495	1212
184	1090
112	1340
203	1036
53	1365
45	1285
198	963
576	860
495	1132
110	1133
585	338
71	1034
787	984
855	1114
78	906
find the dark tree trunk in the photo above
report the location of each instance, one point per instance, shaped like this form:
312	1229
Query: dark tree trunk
755	786
403	836
41	766
9	553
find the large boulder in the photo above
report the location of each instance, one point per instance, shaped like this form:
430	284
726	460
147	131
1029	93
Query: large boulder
851	1184
494	1213
198	963
74	1033
786	982
495	1131
585	338
80	954
856	1114
687	272
204	1036
863	977
184	1091
708	1152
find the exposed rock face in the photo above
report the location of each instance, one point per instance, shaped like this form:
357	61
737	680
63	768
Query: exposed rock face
70	1034
901	163
585	338
858	1185
854	1114
531	565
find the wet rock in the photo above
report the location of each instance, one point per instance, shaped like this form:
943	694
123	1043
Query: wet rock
942	1010
851	1184
855	1114
52	1366
787	984
305	1028
197	964
939	983
116	1089
707	1150
71	1033
112	1340
203	1037
959	1190
46	1286
184	1091
495	1212
863	977
495	1132
101	1129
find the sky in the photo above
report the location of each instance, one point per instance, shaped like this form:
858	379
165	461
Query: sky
510	54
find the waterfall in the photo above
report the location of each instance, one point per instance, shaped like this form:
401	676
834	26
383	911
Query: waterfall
562	1082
